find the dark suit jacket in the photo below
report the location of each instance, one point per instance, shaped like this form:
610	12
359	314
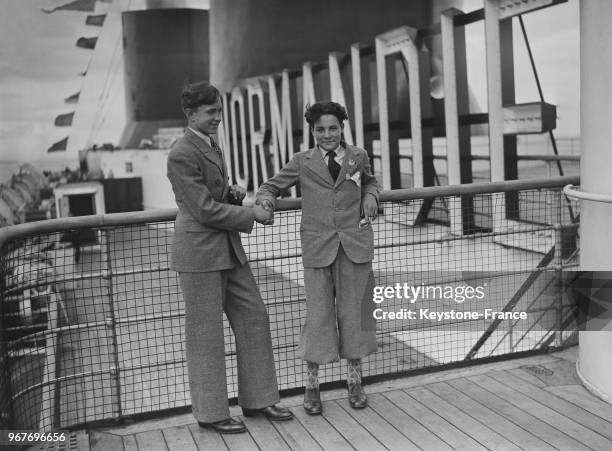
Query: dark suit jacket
331	211
206	229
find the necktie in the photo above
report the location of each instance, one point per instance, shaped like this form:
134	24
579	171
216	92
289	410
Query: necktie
332	165
214	145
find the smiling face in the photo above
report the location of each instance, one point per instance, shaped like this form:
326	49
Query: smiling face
327	132
206	118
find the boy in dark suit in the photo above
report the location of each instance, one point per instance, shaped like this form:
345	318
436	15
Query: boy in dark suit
339	199
214	274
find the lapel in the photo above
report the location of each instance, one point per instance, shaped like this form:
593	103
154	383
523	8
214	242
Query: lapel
349	155
209	153
314	162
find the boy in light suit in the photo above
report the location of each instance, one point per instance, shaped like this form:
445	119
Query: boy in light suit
215	276
339	199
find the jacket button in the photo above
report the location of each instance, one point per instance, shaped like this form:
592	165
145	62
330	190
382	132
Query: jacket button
217	182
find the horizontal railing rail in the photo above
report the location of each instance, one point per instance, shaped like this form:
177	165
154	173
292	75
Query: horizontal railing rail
539	157
9	233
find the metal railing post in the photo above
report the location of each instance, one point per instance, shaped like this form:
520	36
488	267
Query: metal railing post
6	404
111	323
558	265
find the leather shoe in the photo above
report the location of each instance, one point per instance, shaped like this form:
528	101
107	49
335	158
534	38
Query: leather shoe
356	396
312	401
227	426
272	413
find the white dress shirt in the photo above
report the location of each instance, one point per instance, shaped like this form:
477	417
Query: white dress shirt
340	151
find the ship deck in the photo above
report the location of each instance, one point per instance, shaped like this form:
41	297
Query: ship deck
528	403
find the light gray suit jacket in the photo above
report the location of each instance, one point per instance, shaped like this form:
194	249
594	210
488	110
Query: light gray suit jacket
206	229
330	211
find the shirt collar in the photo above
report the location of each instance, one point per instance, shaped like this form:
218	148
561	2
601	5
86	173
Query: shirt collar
206	138
339	151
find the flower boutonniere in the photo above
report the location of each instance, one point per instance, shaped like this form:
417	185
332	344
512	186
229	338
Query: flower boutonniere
353	167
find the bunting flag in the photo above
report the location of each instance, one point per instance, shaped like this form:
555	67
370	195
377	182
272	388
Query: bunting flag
77	5
60	145
64	120
74	98
97	21
87	43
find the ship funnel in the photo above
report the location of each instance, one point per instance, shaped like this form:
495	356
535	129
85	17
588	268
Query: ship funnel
162	49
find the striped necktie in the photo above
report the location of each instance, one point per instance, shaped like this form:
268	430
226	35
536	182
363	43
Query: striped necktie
215	147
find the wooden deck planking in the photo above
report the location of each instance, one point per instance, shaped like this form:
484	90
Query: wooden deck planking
205	439
151	441
581	397
526	419
352	431
322	431
265	435
432	421
388	435
102	441
129	443
567	409
545	413
296	436
417	435
178	438
479	431
489	417
240	442
495	406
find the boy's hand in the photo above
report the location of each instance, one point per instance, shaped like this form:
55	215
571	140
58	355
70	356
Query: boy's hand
237	193
266	204
263	216
369	206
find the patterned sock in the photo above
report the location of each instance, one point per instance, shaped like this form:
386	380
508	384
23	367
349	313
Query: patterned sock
312	375
354	372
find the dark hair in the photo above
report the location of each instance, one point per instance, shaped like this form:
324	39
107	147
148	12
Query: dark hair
314	112
200	93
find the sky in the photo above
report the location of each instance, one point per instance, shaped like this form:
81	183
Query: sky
554	37
40	63
39	67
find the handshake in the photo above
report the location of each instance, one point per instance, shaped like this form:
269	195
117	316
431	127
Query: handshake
264	212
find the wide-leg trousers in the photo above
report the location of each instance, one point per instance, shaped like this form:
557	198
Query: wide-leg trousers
207	295
339	319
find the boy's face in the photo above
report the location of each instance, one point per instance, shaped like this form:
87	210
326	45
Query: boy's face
327	132
206	118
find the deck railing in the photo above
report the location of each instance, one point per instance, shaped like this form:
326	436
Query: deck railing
92	316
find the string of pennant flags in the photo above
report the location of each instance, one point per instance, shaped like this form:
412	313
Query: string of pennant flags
76	5
65	120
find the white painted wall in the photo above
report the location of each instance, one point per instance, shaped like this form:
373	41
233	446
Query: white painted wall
595	352
148	164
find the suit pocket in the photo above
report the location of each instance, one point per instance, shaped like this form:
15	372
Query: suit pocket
203	242
365	234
